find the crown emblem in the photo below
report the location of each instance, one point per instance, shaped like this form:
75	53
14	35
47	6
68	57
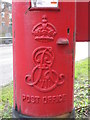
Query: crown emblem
44	31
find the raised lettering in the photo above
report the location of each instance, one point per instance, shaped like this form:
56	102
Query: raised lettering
44	99
24	97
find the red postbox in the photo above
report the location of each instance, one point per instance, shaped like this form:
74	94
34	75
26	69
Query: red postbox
82	21
44	54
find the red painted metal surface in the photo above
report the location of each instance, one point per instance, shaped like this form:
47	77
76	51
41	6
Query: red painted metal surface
43	46
82	21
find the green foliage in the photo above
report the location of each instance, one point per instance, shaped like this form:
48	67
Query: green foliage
82	69
6	101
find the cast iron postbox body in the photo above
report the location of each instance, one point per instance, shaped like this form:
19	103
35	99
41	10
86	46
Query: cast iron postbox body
83	21
43	46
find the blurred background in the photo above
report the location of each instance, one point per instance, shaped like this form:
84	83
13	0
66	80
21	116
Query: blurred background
5	19
6	53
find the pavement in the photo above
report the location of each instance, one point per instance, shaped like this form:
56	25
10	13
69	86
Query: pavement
82	50
6	60
6	64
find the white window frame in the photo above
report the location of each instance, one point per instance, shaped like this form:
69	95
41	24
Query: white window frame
2	6
3	14
9	8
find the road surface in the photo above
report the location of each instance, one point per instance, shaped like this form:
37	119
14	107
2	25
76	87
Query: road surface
82	50
6	64
6	60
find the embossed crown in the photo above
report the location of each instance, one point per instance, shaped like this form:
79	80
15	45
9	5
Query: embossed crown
44	31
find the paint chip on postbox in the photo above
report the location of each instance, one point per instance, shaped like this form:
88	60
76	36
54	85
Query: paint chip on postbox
44	3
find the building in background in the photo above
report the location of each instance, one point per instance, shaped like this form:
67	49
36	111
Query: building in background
5	19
